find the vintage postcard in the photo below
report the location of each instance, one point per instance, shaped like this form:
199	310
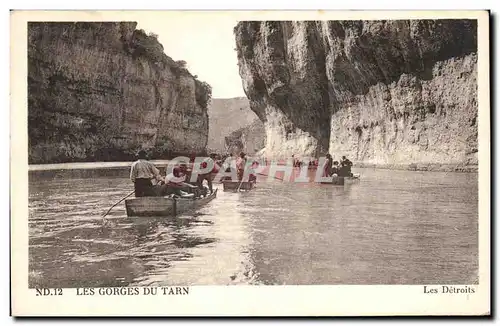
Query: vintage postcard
295	163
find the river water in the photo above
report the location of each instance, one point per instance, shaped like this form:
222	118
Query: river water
391	227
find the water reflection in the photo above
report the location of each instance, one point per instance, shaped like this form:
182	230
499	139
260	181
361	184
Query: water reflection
393	227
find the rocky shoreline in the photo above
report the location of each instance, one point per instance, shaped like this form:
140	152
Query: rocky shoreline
430	167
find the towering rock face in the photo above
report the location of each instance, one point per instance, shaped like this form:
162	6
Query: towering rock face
384	92
249	139
233	127
225	116
100	91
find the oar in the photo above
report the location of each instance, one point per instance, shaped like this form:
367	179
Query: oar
266	175
240	185
109	210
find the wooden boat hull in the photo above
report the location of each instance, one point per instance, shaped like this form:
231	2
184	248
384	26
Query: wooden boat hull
234	185
340	181
164	206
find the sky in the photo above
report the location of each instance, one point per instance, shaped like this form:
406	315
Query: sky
208	47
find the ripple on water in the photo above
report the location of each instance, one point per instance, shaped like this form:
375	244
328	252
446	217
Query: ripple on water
392	227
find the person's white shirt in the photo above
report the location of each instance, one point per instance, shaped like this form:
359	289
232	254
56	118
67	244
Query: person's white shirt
172	178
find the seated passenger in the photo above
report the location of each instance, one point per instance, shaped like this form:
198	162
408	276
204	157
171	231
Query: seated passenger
175	184
346	165
252	177
335	169
209	176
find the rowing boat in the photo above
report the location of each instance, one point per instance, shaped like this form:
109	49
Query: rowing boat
340	181
235	185
165	206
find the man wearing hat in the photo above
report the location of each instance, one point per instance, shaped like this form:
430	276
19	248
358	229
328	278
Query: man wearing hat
141	174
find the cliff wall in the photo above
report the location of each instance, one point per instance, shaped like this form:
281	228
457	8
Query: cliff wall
401	92
250	139
100	91
227	115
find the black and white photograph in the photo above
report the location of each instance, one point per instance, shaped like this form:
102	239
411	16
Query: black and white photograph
166	151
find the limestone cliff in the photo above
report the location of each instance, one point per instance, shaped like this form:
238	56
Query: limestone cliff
101	90
249	139
227	115
400	92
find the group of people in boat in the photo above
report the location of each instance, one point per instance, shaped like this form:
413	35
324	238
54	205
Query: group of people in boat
240	163
331	167
179	183
334	168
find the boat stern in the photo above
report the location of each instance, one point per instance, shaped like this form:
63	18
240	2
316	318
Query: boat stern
150	206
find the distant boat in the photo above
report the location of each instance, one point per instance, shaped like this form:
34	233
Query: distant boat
340	181
165	206
235	185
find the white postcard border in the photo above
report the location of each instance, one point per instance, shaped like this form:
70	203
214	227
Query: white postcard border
239	300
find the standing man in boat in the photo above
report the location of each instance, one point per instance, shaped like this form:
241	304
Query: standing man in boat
192	158
141	173
252	176
218	160
240	165
210	161
327	171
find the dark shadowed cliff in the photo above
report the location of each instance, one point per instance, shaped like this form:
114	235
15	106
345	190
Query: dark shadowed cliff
99	91
394	92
